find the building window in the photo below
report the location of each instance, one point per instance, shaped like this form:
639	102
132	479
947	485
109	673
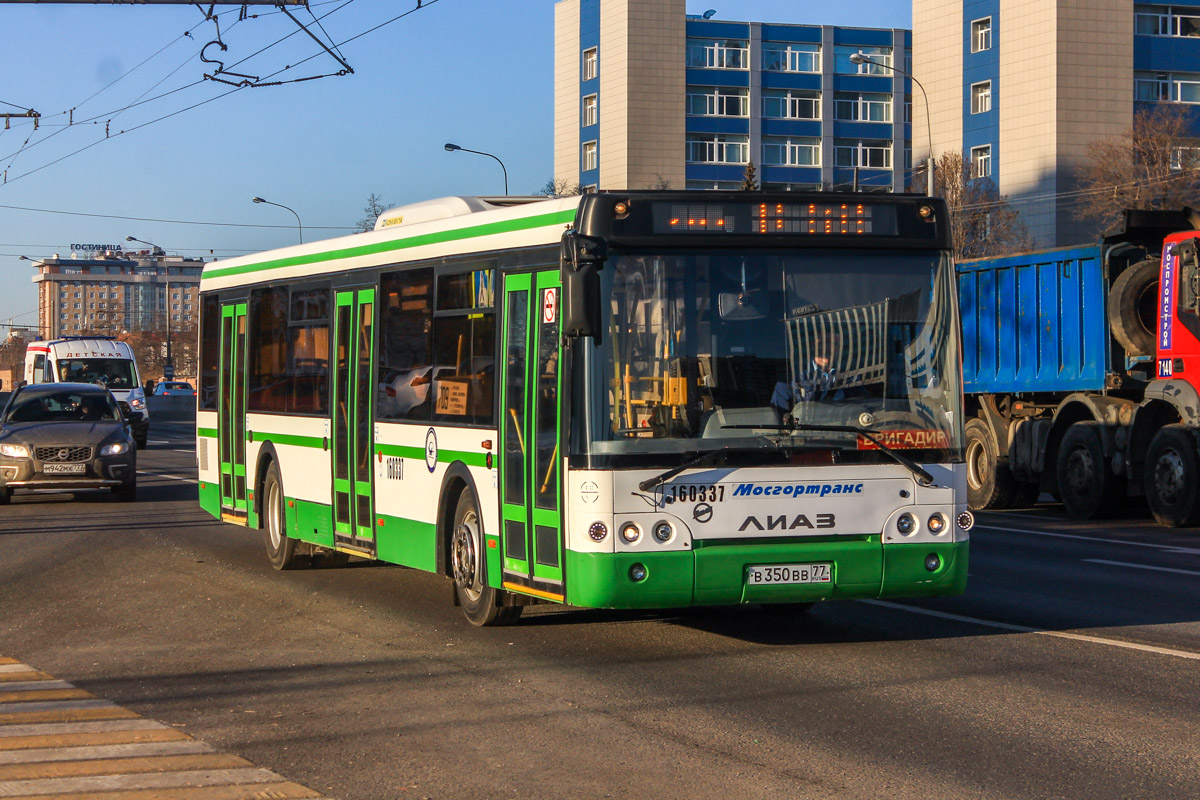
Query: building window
792	151
1185	158
981	35
981	161
1168	87
981	97
718	149
880	64
864	153
793	104
715	102
718	53
591	64
591	158
714	186
1153	20
862	106
589	110
791	58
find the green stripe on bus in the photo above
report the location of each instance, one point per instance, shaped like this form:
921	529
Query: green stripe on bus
490	229
400	450
210	433
444	456
289	439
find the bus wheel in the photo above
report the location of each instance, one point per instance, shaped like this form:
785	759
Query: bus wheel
480	602
281	548
1087	485
1171	475
989	482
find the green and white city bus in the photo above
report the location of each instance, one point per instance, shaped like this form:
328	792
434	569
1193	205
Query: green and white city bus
620	400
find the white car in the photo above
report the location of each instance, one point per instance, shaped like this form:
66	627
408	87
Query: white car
402	391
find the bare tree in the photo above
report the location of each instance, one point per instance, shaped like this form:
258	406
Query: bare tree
374	207
559	187
983	223
660	182
1154	164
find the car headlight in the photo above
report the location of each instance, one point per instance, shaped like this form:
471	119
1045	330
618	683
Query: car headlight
137	403
114	449
14	450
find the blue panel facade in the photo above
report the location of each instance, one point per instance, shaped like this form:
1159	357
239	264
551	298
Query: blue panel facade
589	37
1034	323
756	129
980	66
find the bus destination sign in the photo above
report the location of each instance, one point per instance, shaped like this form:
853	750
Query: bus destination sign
816	219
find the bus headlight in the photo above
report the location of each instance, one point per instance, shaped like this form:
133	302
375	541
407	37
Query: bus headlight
598	531
966	520
906	524
937	524
630	532
663	531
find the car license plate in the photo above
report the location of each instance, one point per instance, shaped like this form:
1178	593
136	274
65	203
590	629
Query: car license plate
64	469
773	574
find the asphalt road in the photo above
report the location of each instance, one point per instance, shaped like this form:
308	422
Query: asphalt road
1071	668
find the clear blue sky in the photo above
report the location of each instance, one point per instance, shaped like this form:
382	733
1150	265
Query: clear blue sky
475	72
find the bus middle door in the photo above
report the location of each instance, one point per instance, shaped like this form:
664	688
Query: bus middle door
353	418
530	433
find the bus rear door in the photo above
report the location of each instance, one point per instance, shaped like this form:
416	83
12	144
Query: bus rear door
231	430
530	430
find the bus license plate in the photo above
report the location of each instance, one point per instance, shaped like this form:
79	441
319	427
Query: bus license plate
788	573
68	469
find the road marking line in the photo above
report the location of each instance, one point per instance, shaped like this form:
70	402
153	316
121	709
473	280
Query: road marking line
245	791
20	686
57	728
118	783
169	477
93	752
29	695
1142	566
67	715
1164	547
1081	637
9	665
78	738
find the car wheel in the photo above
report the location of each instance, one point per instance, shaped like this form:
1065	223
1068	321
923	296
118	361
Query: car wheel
281	548
126	492
480	602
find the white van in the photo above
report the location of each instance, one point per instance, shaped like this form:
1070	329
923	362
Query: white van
92	359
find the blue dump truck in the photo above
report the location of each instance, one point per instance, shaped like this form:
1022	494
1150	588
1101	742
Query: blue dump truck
1065	392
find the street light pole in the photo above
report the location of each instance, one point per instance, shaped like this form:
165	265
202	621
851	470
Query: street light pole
859	58
169	365
450	148
299	224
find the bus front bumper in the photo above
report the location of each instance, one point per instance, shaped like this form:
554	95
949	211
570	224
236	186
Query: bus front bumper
717	574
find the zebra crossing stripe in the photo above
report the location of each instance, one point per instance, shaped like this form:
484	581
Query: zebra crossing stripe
59	742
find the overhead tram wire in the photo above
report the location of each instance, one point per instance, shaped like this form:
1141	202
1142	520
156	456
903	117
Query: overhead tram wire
421	4
169	221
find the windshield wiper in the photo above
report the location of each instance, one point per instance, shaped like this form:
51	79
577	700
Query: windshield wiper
707	455
923	476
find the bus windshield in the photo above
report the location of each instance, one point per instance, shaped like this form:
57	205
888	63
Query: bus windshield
707	349
115	373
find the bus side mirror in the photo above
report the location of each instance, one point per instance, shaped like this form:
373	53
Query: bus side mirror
581	261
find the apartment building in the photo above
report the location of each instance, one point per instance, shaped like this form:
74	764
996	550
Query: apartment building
108	291
1022	87
647	96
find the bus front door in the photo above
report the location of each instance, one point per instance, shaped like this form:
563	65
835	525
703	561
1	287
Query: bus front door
353	404
531	435
231	431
